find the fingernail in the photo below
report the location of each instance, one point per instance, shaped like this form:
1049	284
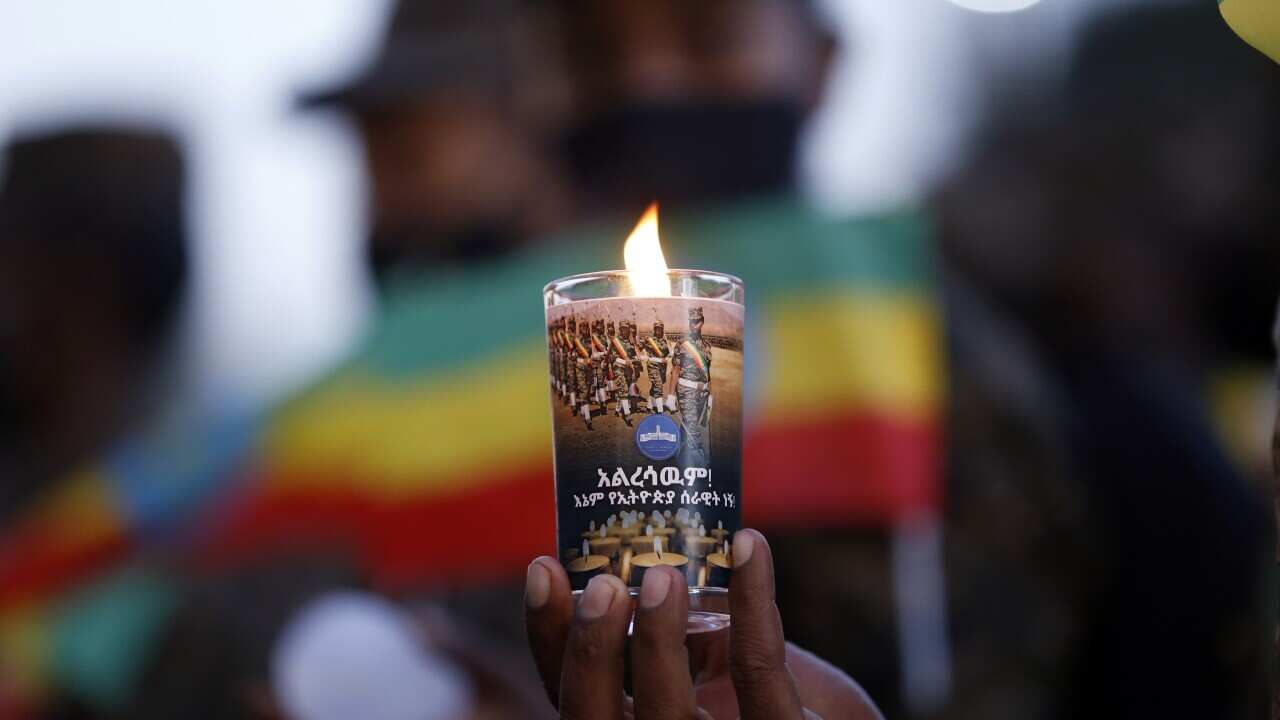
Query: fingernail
598	597
537	587
653	591
743	544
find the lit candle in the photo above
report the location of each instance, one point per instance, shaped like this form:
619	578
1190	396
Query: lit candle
719	533
584	567
718	568
652	537
696	542
605	544
644	561
647	407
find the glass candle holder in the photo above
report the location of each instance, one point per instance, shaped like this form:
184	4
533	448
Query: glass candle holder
646	405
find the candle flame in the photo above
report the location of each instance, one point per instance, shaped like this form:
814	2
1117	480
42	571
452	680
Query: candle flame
644	260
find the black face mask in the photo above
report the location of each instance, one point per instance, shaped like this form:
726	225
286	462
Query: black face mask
686	154
411	248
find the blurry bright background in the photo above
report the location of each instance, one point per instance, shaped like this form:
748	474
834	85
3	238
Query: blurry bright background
276	206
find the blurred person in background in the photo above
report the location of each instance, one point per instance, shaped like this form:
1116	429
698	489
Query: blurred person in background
694	104
93	264
450	119
93	267
1128	231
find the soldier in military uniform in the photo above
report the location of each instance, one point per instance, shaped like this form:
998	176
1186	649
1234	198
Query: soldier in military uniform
570	379
691	361
610	332
655	353
600	365
621	353
583	372
637	365
567	373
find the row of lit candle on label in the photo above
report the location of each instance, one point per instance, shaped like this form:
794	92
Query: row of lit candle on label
619	547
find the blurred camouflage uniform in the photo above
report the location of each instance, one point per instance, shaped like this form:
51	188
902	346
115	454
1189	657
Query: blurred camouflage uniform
692	363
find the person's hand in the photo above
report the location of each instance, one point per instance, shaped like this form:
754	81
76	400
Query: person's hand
579	653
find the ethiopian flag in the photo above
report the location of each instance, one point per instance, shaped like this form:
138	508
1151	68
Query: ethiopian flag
430	450
427	454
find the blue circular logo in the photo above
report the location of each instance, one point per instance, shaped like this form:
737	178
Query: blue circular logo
658	437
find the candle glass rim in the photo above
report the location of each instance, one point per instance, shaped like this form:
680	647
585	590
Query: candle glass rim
557	286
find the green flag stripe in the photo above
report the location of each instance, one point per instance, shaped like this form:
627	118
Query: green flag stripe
440	321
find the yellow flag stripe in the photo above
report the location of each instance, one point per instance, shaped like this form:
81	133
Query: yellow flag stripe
875	353
422	434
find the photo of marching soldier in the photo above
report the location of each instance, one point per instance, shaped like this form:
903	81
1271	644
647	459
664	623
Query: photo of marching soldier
601	365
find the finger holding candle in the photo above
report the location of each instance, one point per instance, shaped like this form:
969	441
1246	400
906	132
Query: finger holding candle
757	650
548	616
591	672
659	659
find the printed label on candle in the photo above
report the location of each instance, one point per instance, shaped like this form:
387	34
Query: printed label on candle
648	426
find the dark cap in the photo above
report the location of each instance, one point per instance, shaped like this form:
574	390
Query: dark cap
695	314
433	45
